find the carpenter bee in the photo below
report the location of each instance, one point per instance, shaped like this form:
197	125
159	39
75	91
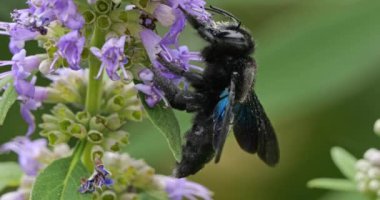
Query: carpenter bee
222	96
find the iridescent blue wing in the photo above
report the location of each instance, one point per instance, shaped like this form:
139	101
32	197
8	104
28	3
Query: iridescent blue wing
223	117
253	130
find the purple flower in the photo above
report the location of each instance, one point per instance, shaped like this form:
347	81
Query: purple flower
179	189
41	13
18	35
66	11
151	42
195	8
152	94
112	57
96	180
23	68
28	153
70	47
179	56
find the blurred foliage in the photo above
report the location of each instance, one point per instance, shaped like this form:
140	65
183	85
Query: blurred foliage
318	67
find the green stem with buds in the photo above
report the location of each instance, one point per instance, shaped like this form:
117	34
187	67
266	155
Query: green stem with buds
94	89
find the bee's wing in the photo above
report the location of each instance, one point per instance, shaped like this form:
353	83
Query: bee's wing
223	117
253	130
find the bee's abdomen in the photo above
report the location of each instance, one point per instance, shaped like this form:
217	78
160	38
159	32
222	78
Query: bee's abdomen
198	148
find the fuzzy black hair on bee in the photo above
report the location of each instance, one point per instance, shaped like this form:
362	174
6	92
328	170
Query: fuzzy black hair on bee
222	96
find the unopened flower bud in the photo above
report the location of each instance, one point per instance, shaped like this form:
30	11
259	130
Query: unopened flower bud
108	195
373	156
83	117
363	165
133	113
97	152
45	66
57	137
376	127
119	16
62	112
89	16
98	123
104	22
95	137
114	122
102	6
116	103
77	130
64	125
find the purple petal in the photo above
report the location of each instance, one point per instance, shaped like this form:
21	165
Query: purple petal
146	75
164	14
71	46
27	115
96	52
171	37
146	89
28	151
150	41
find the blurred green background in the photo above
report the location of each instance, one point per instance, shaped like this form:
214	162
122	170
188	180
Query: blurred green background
319	62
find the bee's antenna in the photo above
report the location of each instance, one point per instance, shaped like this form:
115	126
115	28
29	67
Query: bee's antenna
225	13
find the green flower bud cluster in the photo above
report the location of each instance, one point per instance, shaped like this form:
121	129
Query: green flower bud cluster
120	100
103	131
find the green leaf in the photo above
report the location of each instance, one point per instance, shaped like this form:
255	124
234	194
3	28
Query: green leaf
344	161
61	179
10	174
5	80
166	122
7	100
332	184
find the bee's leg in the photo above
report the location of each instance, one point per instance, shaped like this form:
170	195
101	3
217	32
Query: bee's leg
178	99
192	77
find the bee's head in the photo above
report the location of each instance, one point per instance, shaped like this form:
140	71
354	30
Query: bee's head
231	37
228	37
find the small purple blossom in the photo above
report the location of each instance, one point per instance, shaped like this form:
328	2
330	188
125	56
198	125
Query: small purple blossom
152	94
96	180
70	47
23	68
67	12
179	189
112	57
28	152
180	56
42	13
18	35
195	8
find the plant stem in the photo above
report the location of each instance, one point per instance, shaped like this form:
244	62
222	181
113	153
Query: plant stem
94	88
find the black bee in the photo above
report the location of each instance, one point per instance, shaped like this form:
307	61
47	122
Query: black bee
223	95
